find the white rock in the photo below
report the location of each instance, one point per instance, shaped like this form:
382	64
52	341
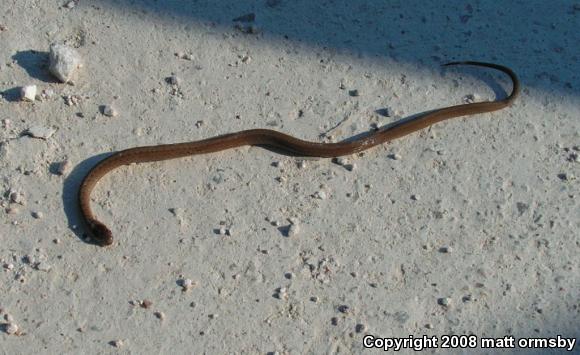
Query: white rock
293	230
117	343
64	62
110	111
63	167
40	132
28	93
187	284
9	266
321	195
17	197
11	328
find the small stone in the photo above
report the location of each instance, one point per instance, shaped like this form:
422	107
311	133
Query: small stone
174	80
63	167
28	93
471	98
301	164
64	62
17	197
145	304
354	93
223	231
47	94
8	317
116	343
40	132
187	284
395	156
415	197
445	249
293	230
344	309
213	316
360	328
71	4
342	161
37	214
9	266
429	326
42	266
109	111
11	328
445	301
334	321
321	195
159	315
314	299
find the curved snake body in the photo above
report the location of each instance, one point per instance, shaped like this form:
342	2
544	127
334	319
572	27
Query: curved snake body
265	137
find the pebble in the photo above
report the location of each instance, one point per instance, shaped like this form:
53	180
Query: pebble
11	328
471	98
314	299
63	167
159	315
344	309
293	230
40	132
395	156
429	326
28	93
17	197
360	328
47	94
71	4
145	304
64	61
445	249
415	197
187	284
110	111
301	164
445	301
321	195
174	80
42	266
9	266
354	93
117	343
37	215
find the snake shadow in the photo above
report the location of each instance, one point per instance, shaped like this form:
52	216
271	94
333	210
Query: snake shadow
70	191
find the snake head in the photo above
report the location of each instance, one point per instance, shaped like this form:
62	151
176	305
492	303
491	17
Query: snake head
100	233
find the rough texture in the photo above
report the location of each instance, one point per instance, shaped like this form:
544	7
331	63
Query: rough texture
494	234
64	62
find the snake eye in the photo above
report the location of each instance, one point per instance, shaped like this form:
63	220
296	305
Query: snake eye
100	233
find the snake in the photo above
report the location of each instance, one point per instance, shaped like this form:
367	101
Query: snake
101	235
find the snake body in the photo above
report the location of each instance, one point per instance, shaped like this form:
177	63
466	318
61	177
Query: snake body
103	236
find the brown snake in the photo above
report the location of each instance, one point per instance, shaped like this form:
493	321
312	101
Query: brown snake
265	137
